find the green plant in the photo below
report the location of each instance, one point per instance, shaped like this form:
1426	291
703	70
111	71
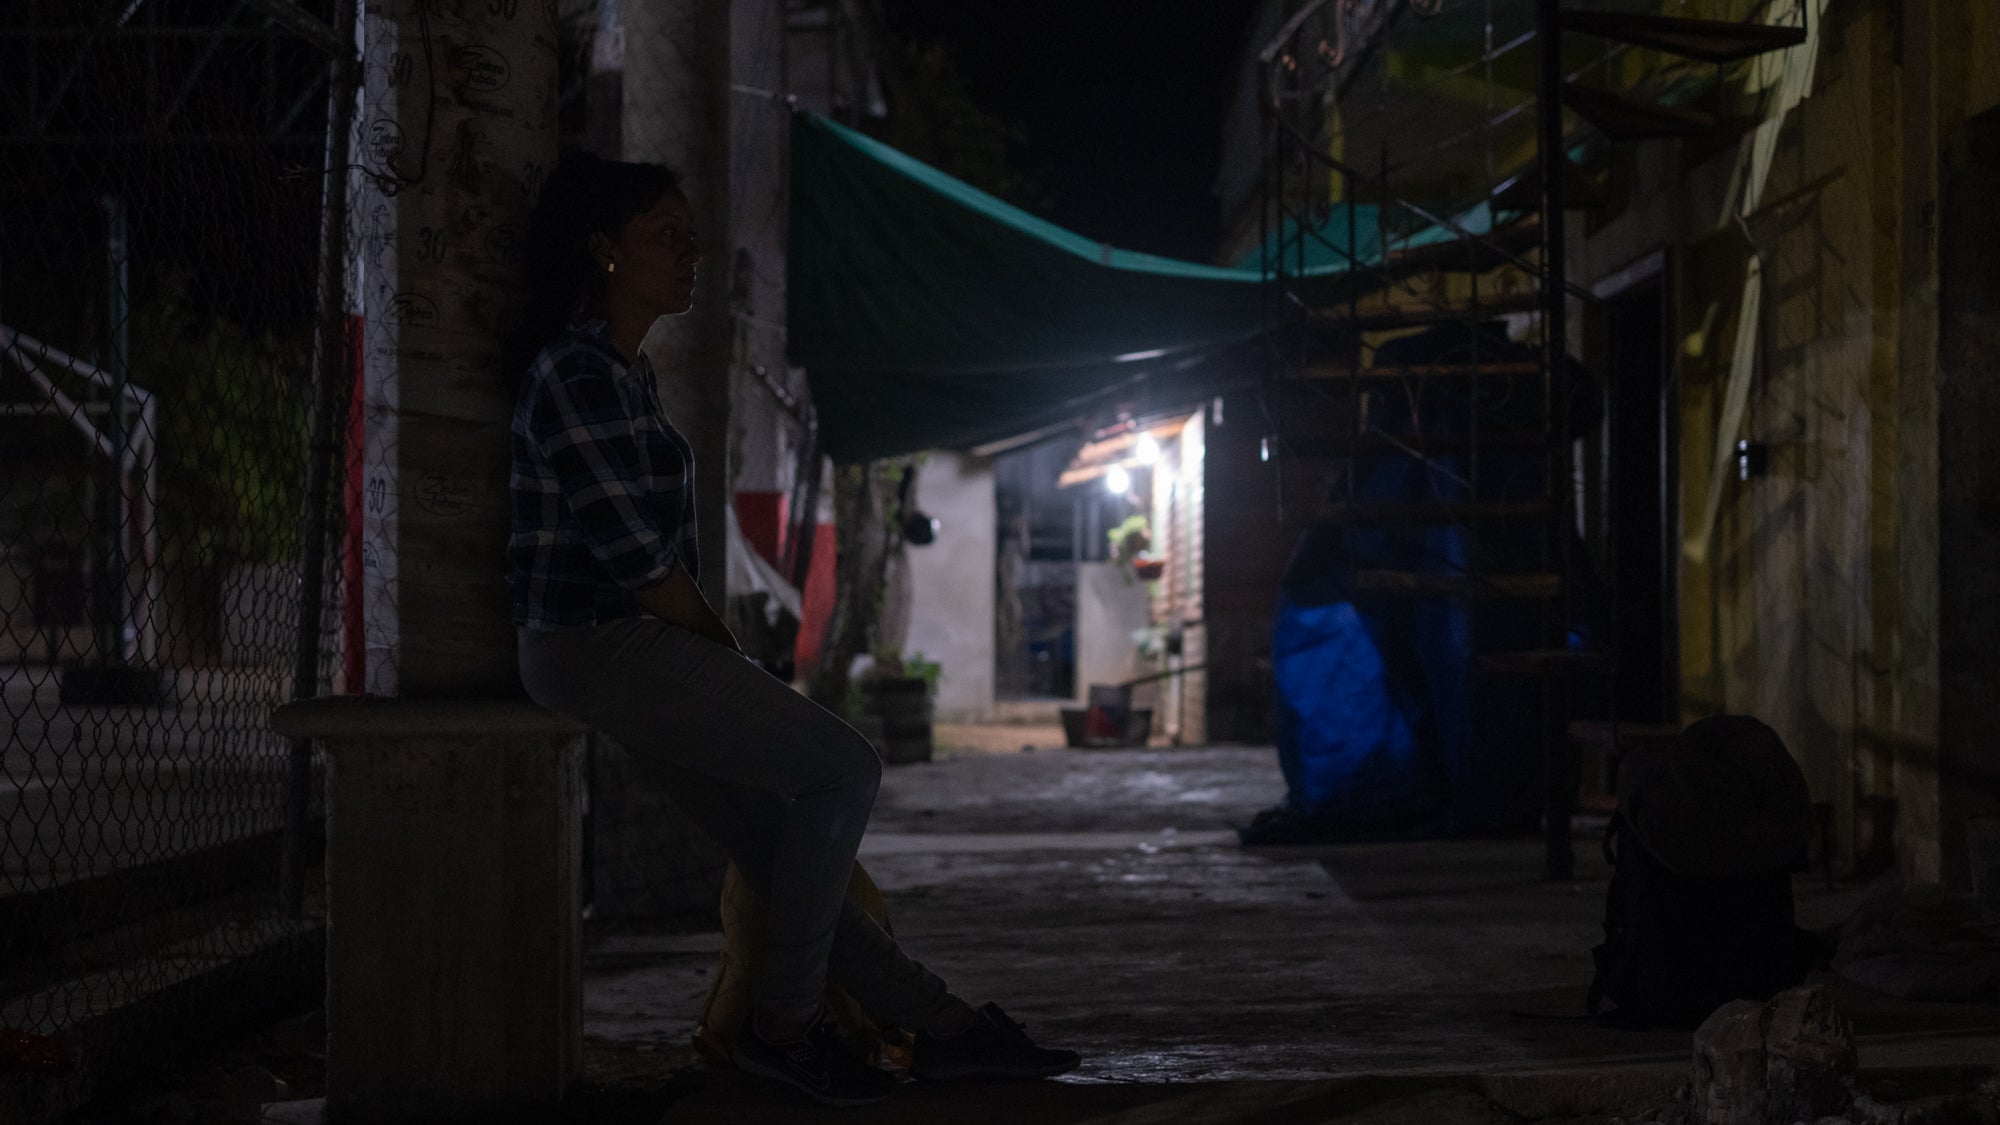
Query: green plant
929	671
869	533
892	661
853	704
1132	536
233	430
1151	642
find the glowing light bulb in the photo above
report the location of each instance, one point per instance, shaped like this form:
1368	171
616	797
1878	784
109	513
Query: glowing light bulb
1149	449
1117	480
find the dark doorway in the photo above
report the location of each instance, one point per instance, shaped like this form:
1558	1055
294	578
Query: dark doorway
1967	472
1640	510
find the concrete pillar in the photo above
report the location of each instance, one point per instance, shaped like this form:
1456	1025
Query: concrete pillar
453	933
676	111
457	129
454	940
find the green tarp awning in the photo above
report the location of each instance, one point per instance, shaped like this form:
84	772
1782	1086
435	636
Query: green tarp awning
1322	250
930	315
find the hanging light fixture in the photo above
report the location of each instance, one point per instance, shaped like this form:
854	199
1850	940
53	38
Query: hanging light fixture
1117	481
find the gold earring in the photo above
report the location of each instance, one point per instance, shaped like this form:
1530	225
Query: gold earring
611	267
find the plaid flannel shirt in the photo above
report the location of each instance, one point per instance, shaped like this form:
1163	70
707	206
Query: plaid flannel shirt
602	485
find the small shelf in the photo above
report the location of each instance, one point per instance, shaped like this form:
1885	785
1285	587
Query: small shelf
1626	118
1716	41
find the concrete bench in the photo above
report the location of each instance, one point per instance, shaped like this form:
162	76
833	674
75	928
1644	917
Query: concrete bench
454	936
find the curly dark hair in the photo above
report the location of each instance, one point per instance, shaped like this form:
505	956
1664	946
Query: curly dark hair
585	195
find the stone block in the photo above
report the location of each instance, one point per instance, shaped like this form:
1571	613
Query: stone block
1791	1060
1809	1056
1729	1066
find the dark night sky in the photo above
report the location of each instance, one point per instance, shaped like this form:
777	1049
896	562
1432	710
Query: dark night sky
1121	101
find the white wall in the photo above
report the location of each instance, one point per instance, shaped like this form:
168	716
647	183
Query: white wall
1110	607
951	583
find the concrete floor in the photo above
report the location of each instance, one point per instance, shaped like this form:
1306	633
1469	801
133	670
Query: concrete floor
1101	898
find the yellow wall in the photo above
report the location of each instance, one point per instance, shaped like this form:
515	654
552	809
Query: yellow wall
1819	604
1814	601
1814	606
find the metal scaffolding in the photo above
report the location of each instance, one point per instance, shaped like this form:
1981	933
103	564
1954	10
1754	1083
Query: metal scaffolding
1423	147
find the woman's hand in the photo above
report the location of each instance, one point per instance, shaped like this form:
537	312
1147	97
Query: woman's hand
727	640
676	600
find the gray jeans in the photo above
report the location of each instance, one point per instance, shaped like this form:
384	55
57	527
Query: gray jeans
780	782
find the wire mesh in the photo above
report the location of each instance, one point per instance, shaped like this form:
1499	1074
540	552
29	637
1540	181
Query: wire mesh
161	200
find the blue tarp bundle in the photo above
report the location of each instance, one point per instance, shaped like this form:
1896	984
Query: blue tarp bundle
1347	745
1376	695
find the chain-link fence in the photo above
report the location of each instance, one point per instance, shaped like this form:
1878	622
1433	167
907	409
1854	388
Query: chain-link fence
160	231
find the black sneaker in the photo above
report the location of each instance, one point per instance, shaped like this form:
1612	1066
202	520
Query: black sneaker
818	1065
994	1047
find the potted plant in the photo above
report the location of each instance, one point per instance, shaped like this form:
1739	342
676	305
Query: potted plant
897	692
1130	541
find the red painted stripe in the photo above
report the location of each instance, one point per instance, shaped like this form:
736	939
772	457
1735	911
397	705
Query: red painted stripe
762	515
817	598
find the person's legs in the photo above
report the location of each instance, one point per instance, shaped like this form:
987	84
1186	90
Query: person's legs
953	1041
785	787
678	702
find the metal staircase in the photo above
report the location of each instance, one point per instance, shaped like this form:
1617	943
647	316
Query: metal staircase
1428	414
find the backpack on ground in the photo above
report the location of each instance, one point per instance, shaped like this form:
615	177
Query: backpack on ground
1708	831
